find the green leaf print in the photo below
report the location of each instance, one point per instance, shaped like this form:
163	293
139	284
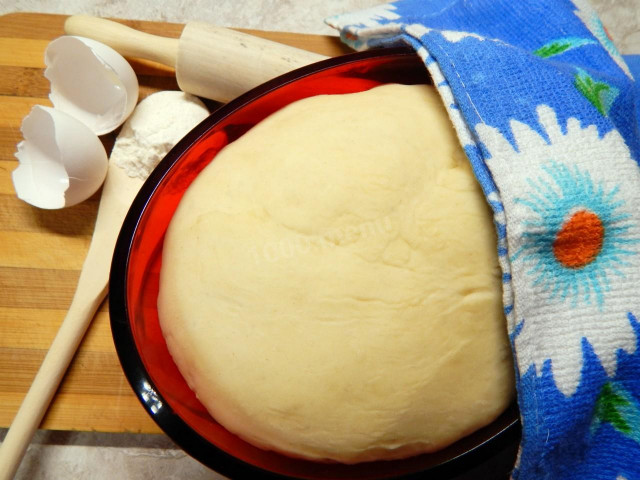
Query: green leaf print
600	94
617	407
560	45
607	409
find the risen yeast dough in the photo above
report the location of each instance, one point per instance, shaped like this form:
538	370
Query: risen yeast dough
330	286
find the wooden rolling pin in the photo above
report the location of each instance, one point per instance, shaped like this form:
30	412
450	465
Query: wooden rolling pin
210	62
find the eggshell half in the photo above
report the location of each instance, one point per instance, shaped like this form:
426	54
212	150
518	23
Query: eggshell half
91	82
62	162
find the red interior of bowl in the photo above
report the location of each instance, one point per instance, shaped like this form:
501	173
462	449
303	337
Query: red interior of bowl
144	263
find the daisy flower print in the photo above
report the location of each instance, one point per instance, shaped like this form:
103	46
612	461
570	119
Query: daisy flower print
574	242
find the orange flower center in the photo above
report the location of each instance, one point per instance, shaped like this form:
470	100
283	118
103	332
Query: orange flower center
579	240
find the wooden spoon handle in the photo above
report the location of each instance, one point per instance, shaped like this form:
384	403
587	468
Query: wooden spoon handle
91	291
126	41
118	192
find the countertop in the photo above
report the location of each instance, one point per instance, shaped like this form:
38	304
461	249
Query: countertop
65	454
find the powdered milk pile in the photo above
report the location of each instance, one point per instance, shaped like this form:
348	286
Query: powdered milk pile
156	125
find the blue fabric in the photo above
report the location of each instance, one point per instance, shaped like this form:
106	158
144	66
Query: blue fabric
548	113
633	62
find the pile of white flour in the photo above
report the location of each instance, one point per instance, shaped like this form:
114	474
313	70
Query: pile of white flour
155	126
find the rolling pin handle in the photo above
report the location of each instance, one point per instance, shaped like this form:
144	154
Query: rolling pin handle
124	40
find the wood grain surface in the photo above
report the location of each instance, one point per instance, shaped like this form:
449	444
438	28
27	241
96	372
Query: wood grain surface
42	251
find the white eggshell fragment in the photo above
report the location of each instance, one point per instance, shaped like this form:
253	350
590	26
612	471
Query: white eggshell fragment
62	162
91	82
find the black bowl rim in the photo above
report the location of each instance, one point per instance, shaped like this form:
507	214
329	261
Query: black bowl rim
138	377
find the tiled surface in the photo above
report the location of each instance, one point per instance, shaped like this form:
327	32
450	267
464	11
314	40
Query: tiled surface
107	456
95	456
622	20
277	15
622	17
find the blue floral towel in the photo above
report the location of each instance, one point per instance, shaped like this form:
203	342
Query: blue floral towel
546	110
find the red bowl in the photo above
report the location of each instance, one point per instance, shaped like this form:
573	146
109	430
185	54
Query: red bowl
488	453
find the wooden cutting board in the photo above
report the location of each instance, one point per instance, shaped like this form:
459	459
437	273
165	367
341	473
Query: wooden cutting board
42	251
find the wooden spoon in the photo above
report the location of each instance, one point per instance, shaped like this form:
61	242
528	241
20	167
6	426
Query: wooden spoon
118	193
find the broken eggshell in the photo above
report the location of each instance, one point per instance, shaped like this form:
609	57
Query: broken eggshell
62	162
91	82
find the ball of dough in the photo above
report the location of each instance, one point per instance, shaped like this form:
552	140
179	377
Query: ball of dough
330	286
